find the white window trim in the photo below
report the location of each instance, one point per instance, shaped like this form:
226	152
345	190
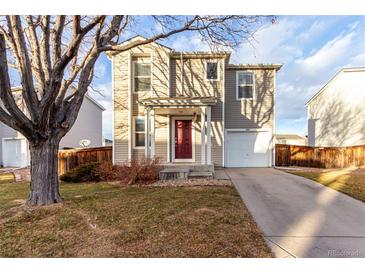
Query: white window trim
134	75
173	119
134	132
253	85
218	70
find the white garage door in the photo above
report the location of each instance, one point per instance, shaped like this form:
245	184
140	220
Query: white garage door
248	149
14	153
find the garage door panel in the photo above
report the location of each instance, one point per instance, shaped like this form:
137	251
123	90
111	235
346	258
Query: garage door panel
248	149
14	152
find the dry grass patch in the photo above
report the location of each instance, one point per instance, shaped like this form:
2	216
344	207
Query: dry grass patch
6	178
101	220
350	181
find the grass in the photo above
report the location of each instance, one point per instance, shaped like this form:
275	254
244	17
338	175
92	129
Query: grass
6	178
101	220
348	181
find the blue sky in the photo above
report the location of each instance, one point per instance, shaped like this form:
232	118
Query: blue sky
311	48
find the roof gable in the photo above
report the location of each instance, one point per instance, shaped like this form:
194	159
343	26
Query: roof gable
87	95
136	39
337	75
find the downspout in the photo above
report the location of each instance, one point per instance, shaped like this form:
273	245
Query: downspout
273	154
182	73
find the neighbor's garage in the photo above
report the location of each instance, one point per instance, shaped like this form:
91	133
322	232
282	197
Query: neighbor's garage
248	149
15	152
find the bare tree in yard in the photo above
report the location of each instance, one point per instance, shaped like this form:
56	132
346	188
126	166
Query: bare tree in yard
49	53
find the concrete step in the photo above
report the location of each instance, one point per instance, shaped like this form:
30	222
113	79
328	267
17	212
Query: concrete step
174	173
191	167
201	168
200	174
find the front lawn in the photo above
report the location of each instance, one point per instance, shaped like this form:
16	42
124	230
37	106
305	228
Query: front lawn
6	178
350	181
101	220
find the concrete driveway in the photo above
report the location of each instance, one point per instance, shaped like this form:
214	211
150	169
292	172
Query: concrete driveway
299	217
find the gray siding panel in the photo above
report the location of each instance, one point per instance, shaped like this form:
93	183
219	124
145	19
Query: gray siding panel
256	113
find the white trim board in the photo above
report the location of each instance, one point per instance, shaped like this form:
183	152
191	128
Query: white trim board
132	76
134	132
113	112
253	85
218	70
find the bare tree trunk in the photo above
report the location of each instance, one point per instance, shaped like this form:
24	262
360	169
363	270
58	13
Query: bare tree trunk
44	185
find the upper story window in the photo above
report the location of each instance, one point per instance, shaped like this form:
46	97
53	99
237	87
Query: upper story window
211	70
142	76
245	85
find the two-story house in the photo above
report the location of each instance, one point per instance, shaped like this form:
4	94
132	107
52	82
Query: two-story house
192	107
336	113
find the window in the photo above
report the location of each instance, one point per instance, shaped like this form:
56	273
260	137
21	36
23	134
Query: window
211	71
139	133
245	85
142	76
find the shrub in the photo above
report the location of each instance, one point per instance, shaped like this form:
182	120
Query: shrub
83	173
142	172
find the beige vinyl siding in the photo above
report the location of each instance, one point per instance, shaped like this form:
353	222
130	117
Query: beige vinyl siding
161	123
166	81
256	113
159	58
121	79
195	85
197	128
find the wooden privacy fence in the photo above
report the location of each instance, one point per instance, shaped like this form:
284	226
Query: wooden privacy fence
72	158
320	157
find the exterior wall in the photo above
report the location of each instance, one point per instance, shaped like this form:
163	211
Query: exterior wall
6	132
120	105
195	85
122	70
295	142
256	113
336	117
166	81
161	144
88	125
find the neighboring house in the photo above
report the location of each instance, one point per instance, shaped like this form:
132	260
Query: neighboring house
290	139
107	142
14	150
191	107
336	113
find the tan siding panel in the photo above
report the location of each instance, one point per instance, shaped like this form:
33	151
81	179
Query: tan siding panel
121	79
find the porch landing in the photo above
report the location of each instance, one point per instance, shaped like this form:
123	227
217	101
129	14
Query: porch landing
173	171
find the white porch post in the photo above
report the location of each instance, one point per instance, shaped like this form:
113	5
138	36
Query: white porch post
146	132
202	130
152	133
209	133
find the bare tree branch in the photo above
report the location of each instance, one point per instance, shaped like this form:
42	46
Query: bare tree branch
29	94
16	118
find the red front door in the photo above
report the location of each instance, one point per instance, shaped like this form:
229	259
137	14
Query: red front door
183	141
